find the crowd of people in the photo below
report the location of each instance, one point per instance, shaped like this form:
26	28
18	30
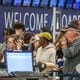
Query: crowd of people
61	55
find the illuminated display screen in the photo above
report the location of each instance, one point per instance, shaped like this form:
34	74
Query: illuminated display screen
44	3
26	2
77	0
69	3
19	61
7	2
0	1
61	3
77	5
53	3
17	2
36	2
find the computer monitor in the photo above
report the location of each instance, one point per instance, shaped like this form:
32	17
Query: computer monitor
26	2
7	2
0	1
69	3
76	4
77	0
53	3
17	2
61	3
18	61
44	3
36	3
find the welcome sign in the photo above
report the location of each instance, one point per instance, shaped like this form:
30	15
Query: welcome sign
33	18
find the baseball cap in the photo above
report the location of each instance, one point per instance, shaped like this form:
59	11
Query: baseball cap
70	28
45	35
64	29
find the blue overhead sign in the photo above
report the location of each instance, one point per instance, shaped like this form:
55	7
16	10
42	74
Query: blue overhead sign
68	15
33	18
64	16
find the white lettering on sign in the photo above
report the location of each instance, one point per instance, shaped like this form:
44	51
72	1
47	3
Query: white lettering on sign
31	21
65	19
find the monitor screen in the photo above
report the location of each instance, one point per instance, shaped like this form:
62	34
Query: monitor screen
69	3
77	0
35	2
44	3
17	2
53	3
7	2
0	1
26	2
18	61
76	5
61	3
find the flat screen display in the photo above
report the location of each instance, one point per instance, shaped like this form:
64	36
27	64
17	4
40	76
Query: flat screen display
44	3
35	2
7	2
17	2
18	61
53	3
0	1
26	2
77	0
69	3
76	5
61	3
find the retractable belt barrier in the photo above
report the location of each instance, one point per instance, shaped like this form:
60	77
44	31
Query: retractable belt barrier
69	75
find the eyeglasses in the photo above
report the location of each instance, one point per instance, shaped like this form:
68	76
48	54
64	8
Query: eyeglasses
10	41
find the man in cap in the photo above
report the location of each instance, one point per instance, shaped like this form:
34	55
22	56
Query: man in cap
46	53
71	49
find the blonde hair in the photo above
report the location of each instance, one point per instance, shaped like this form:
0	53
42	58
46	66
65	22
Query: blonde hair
59	36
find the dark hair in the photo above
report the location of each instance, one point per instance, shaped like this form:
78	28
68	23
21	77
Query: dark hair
27	37
9	31
73	24
18	25
46	29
